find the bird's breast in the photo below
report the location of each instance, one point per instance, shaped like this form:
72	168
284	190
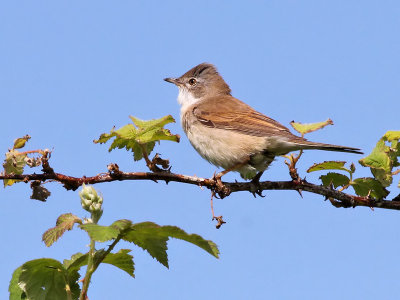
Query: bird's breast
224	148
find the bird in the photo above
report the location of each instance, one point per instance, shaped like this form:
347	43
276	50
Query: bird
227	132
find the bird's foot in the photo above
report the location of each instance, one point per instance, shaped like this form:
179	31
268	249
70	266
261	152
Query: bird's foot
219	188
255	186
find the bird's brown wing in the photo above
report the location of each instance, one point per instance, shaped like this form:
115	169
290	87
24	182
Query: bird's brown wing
226	112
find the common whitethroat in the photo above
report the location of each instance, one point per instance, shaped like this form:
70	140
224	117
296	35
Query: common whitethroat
229	133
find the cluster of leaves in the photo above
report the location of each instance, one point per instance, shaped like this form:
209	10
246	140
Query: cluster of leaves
382	161
140	137
16	161
48	278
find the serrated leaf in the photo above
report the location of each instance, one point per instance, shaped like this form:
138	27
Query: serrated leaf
144	135
106	233
104	137
334	178
64	222
13	164
121	260
16	293
328	165
369	186
73	278
153	238
45	279
310	127
195	239
146	236
20	142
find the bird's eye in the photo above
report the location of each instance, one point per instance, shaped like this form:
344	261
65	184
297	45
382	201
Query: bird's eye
192	81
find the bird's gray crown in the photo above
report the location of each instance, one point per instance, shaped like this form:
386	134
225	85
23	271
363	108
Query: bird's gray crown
202	81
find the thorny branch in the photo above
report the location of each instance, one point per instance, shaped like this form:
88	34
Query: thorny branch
337	198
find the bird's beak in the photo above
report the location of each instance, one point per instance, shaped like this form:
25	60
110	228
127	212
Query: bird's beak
172	80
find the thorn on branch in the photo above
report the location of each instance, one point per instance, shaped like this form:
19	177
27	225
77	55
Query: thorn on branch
397	198
300	192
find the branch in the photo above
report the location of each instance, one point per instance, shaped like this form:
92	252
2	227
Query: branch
337	198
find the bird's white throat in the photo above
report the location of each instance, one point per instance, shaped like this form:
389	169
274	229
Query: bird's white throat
186	98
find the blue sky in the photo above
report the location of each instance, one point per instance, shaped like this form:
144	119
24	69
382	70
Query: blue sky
70	70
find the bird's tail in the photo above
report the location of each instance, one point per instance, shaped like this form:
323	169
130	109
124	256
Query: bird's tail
329	147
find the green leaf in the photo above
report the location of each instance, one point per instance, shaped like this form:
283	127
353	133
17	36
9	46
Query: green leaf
152	124
100	233
153	238
383	158
382	176
143	136
16	293
369	186
64	222
13	164
378	159
147	236
122	225
310	127
72	266
394	153
328	165
121	260
20	142
392	135
178	233
77	261
334	178
106	233
45	279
